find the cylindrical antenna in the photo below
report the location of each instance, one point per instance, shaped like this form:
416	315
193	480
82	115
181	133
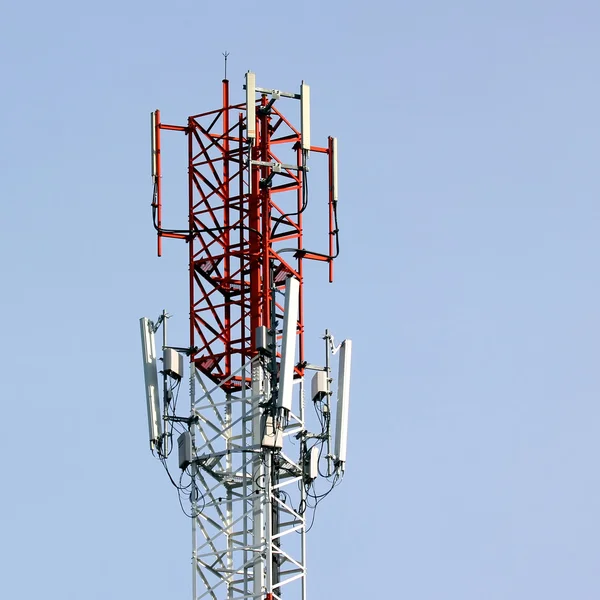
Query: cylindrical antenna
305	116
334	169
153	143
250	106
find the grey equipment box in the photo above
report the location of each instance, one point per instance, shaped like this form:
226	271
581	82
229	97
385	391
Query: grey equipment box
172	363
184	442
319	386
272	435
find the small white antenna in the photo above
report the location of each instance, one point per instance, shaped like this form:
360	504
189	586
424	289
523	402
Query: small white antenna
250	105
153	142
288	343
151	382
343	401
305	116
334	170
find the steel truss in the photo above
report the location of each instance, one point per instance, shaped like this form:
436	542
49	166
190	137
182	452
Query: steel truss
248	529
245	229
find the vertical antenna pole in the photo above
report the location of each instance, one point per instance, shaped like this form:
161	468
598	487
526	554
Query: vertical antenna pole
226	218
229	505
327	339
259	482
194	502
238	213
192	229
269	522
227	341
303	503
165	448
246	485
254	234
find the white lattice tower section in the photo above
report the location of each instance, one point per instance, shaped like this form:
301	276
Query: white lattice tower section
248	535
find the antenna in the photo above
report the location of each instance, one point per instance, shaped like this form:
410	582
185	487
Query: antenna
343	401
225	54
153	142
334	170
288	343
305	116
151	382
250	105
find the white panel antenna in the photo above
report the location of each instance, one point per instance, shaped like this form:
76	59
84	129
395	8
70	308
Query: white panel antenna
343	401
288	343
334	169
151	381
250	105
305	116
153	142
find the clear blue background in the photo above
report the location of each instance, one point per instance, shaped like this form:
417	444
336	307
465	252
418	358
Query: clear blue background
468	280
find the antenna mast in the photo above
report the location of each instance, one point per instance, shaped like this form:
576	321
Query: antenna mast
251	470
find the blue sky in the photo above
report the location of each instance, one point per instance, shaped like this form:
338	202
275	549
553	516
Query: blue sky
468	281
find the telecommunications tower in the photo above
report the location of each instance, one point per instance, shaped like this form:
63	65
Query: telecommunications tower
252	467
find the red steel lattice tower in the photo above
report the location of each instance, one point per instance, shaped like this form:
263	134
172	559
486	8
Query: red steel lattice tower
245	231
